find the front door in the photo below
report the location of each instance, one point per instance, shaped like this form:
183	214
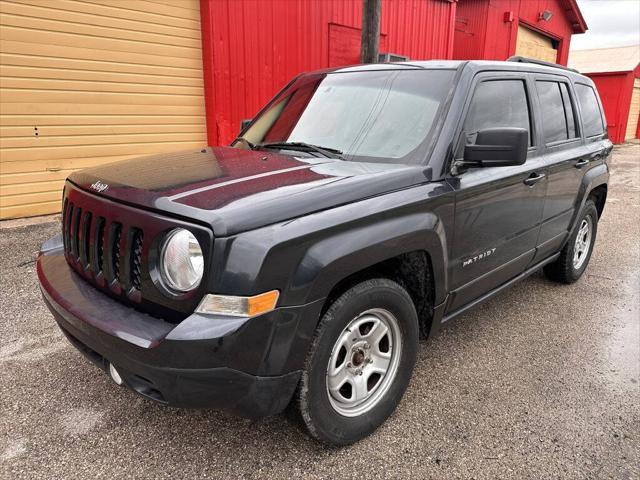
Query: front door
498	209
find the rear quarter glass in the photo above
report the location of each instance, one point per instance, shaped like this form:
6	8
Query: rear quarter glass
591	115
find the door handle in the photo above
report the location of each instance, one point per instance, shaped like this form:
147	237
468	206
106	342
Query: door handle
534	178
582	163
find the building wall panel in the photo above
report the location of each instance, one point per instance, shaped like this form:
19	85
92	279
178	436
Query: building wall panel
488	29
615	90
253	48
470	30
88	82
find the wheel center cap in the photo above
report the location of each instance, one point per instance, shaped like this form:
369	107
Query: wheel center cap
358	358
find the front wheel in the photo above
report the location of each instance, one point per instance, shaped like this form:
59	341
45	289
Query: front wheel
575	255
360	362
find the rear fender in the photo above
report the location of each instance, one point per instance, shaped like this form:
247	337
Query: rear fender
596	176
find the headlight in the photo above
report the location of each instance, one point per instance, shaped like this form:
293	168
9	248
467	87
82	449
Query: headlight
181	260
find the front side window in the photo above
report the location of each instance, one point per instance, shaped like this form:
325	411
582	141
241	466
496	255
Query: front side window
497	104
591	116
557	111
365	115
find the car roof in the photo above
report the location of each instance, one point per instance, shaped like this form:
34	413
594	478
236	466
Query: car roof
429	64
476	65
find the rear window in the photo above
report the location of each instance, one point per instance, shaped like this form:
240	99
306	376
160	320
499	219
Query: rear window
591	116
557	111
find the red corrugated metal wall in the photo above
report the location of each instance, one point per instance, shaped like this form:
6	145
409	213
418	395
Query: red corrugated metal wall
252	48
470	30
615	90
482	32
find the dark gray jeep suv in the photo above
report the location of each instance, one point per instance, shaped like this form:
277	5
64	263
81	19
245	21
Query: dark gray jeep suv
360	207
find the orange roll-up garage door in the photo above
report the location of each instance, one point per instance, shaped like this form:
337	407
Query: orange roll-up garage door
634	112
87	82
532	44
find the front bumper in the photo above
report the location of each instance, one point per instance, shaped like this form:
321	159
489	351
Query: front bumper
249	366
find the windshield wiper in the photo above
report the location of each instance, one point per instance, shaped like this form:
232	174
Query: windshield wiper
325	151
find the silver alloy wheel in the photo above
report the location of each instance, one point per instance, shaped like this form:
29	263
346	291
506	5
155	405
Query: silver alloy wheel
364	362
583	242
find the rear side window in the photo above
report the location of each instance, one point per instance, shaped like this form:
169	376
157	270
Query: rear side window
495	104
591	116
557	111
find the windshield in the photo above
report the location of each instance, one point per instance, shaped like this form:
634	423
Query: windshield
366	116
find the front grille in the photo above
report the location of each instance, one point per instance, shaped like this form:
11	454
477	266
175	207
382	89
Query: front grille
136	258
99	244
114	247
86	236
102	249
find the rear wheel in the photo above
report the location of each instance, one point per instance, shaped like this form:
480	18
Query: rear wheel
360	362
575	255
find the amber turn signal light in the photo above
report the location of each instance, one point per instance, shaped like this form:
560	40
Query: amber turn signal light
239	306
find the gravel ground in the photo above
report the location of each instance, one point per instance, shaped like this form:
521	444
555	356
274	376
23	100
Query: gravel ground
540	382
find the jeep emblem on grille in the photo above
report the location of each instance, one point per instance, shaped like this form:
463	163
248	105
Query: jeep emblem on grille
99	186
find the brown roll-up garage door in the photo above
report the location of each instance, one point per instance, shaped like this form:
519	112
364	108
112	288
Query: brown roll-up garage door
634	112
532	44
87	82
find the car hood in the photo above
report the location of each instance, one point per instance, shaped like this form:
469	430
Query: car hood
235	190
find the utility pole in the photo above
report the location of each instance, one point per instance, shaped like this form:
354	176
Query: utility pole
370	43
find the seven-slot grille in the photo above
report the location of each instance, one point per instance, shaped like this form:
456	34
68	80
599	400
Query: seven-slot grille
104	251
114	247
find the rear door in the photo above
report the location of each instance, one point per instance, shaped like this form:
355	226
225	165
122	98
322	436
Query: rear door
570	150
498	209
564	152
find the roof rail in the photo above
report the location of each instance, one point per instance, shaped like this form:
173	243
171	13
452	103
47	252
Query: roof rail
519	59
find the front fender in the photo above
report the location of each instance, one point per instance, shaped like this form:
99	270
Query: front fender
334	258
306	257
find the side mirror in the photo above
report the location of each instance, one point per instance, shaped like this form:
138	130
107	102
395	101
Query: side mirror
245	123
497	147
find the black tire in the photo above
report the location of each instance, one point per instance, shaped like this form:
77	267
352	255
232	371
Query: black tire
563	269
319	416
